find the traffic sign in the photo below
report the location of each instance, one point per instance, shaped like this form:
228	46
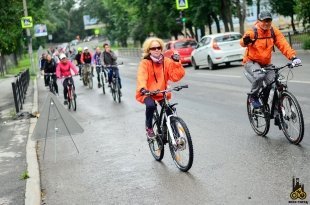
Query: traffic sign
27	22
182	4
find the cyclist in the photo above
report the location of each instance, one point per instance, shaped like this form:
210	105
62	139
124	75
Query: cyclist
50	67
154	72
63	69
260	41
86	58
97	59
78	60
41	64
109	58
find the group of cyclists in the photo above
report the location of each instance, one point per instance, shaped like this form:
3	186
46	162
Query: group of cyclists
58	65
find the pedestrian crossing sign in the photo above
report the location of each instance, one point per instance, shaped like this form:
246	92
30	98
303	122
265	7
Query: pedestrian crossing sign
182	4
27	22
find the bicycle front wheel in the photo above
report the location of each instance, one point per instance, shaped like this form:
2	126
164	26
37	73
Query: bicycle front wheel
259	118
102	82
113	91
157	145
118	93
292	121
183	153
90	81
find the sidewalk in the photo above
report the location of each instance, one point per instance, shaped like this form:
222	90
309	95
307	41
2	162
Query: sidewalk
15	148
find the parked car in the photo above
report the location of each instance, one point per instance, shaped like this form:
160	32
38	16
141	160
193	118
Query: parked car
74	42
88	38
184	47
217	49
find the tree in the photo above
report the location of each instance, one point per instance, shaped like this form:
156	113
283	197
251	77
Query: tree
285	8
302	8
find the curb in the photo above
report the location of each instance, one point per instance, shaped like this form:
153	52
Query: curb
33	190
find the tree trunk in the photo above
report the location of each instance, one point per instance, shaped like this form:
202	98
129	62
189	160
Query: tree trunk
224	14
241	12
293	24
258	7
217	22
210	25
189	26
229	16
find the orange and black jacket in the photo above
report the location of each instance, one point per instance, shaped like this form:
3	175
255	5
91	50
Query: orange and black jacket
152	76
260	51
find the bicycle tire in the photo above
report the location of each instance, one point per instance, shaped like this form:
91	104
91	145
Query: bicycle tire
90	81
291	113
259	118
113	90
52	88
118	93
185	146
157	146
103	88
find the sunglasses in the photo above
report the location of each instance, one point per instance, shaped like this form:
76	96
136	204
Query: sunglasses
155	48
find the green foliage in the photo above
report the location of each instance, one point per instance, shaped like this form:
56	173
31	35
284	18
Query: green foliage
24	175
23	64
306	44
302	9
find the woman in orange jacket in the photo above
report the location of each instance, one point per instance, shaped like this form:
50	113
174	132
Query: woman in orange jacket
154	72
260	41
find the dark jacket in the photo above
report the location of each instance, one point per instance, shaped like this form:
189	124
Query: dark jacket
50	67
78	58
109	58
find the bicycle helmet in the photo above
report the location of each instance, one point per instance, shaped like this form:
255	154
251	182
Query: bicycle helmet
80	49
85	48
62	56
264	15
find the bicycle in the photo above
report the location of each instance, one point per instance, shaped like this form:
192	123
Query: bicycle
283	107
71	95
87	75
51	82
171	129
115	84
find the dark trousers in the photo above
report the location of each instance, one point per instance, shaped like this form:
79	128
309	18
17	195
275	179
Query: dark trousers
65	84
110	73
149	111
54	79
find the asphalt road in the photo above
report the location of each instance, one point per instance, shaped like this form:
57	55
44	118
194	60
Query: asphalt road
232	165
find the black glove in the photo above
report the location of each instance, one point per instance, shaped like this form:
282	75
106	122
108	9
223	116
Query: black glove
247	40
175	57
144	91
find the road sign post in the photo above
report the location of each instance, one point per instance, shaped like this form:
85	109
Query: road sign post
181	5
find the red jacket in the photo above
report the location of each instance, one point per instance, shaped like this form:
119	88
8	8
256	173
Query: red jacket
64	69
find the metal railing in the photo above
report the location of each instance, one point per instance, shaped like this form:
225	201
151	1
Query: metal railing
297	40
19	87
130	52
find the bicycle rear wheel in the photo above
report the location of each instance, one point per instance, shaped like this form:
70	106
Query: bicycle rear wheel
52	88
292	121
259	118
183	153
156	146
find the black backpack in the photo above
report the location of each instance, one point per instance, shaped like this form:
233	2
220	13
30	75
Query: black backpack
272	36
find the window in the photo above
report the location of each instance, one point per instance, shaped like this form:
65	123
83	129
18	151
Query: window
228	37
185	44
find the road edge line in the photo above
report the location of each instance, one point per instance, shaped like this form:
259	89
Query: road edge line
33	189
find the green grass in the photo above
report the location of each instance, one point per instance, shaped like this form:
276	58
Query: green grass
24	175
23	64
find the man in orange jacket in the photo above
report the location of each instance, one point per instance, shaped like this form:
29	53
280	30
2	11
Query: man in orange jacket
260	41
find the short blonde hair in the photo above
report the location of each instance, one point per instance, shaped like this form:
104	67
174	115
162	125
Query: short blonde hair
147	44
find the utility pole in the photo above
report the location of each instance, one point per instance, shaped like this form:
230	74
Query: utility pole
29	40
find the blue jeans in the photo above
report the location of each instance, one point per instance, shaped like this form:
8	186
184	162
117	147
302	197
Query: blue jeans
110	73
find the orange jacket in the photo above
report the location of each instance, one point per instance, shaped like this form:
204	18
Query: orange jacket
261	50
152	76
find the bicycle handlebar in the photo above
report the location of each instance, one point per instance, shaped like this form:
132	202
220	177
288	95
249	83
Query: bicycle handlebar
49	73
114	66
273	67
177	88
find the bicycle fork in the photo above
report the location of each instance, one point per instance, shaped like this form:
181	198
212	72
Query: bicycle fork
174	143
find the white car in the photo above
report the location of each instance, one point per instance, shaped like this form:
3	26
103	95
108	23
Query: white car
217	49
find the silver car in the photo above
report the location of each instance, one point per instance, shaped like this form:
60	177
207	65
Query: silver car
217	49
